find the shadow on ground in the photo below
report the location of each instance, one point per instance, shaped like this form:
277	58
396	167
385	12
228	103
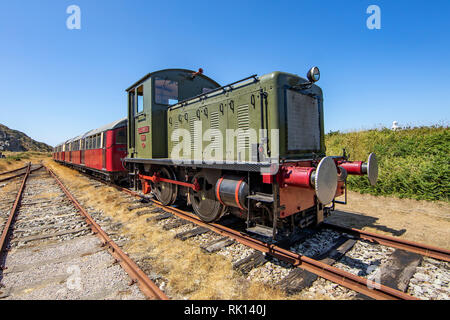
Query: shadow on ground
359	221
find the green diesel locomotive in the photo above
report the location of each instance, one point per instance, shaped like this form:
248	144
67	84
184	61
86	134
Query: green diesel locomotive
253	148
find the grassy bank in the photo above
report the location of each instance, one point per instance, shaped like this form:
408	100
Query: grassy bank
15	160
414	163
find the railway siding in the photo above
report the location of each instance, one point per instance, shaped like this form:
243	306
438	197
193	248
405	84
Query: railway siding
53	253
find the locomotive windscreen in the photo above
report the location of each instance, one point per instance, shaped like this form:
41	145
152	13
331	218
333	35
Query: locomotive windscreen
303	122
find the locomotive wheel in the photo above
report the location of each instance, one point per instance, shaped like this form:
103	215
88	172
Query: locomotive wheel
165	192
204	201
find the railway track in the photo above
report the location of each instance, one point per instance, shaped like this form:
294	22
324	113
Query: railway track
51	248
405	255
14	170
300	268
415	247
21	171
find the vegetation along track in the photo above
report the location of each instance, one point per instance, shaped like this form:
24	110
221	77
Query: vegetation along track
8	175
48	250
397	261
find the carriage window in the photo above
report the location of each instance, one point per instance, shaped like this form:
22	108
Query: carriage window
103	139
166	91
140	99
121	136
98	143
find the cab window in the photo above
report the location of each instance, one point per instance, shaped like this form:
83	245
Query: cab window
140	99
166	91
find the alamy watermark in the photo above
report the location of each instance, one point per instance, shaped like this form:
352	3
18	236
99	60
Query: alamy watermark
374	278
230	147
74	20
73	282
374	20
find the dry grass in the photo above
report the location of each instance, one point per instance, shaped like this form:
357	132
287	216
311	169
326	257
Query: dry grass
190	272
16	160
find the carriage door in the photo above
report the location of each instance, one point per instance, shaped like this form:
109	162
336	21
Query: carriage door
82	151
103	139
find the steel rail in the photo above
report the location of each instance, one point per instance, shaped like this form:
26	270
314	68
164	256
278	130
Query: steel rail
20	174
344	278
339	276
11	171
150	289
12	213
422	249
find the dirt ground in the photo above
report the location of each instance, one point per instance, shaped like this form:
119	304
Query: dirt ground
421	221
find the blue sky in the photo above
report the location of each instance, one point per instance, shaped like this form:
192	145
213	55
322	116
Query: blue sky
56	83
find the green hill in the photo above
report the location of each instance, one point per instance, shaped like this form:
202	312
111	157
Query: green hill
16	141
413	163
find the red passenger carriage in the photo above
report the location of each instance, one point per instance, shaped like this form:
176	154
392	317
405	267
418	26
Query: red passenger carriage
99	151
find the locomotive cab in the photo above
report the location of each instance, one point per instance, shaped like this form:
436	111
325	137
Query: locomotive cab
148	101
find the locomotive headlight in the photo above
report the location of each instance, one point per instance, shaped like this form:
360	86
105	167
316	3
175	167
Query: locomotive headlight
313	74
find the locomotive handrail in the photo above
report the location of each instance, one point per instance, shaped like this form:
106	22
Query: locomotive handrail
213	90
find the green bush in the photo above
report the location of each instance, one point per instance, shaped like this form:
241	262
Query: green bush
18	156
413	163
